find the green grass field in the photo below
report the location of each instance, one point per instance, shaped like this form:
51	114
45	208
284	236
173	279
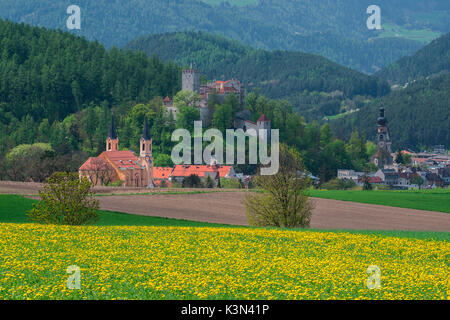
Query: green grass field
13	209
431	200
393	31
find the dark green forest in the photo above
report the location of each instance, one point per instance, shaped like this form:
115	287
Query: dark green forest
429	60
308	81
334	29
59	92
419	115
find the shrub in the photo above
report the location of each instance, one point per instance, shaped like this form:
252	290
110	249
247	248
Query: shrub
283	202
367	186
118	183
209	182
193	181
233	183
65	199
163	184
338	184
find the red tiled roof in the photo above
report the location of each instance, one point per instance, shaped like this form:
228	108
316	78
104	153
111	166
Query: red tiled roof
122	159
167	99
263	118
162	172
375	180
199	170
92	163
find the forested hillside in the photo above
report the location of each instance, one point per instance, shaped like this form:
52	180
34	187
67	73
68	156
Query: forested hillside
59	92
334	29
419	116
47	76
432	59
51	74
306	80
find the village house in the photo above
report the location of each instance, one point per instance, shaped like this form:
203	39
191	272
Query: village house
388	176
350	175
161	176
215	171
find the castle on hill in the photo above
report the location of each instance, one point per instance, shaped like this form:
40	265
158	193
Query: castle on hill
221	89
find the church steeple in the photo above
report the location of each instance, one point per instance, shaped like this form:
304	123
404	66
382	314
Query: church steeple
146	141
112	141
383	155
146	157
146	132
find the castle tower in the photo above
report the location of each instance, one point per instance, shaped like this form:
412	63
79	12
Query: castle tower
383	156
191	80
112	141
146	156
264	123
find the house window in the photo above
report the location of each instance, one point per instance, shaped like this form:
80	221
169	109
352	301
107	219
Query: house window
109	146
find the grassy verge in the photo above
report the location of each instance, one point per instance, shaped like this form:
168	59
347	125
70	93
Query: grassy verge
431	200
13	209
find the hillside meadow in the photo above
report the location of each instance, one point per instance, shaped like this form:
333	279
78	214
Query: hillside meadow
431	200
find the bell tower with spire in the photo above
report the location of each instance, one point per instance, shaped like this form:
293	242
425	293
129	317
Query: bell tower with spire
112	141
383	156
146	156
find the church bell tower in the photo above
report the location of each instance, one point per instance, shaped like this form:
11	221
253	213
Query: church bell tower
383	156
112	141
146	156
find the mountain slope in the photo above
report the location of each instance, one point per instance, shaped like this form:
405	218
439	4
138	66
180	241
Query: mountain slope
278	74
50	74
419	116
335	29
432	59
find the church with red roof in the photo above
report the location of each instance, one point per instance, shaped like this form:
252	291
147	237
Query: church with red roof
113	165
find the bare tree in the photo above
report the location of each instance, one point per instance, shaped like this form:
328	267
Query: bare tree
284	202
100	172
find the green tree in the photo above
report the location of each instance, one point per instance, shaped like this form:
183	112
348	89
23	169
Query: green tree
193	181
186	118
163	160
417	180
223	117
65	199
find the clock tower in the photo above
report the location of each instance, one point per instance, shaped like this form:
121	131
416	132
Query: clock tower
383	156
146	157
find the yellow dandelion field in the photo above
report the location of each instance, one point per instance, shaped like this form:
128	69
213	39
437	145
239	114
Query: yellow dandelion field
216	263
